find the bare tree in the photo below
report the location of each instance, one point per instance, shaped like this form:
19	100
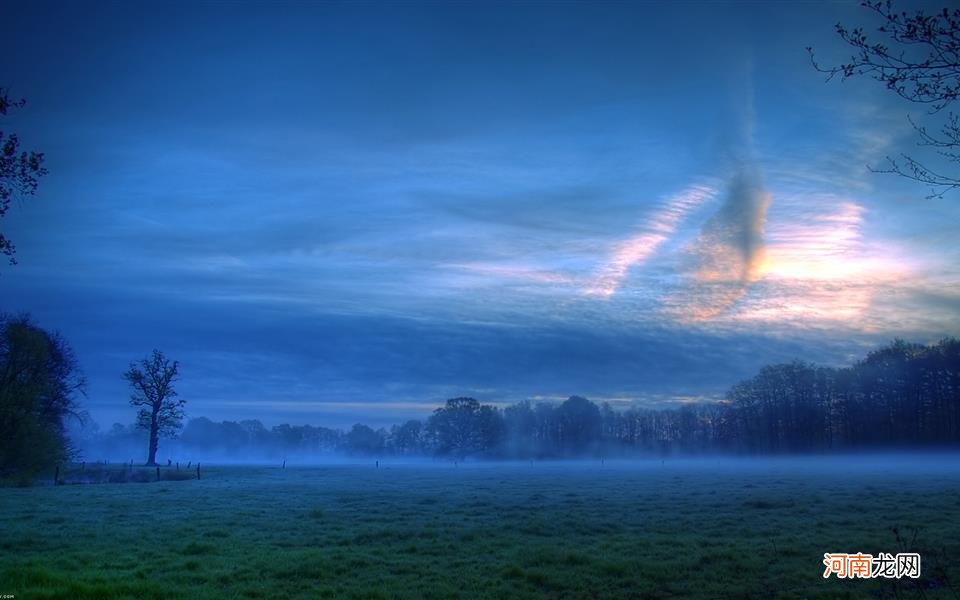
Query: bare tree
921	65
19	171
161	413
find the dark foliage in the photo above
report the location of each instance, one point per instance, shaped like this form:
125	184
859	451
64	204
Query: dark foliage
464	427
363	440
39	384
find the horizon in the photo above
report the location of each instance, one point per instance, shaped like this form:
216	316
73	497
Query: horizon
429	408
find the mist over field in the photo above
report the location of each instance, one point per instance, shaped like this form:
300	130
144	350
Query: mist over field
899	397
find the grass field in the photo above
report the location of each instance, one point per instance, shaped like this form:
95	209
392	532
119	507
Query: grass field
646	529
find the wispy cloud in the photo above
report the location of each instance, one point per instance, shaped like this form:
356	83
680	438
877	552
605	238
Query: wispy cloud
638	248
817	245
730	248
815	270
820	269
510	270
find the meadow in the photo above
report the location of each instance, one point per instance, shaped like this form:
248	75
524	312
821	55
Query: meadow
644	529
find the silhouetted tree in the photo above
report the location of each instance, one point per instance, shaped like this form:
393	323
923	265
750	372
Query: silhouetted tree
462	427
921	66
407	438
784	408
161	412
901	394
255	434
202	434
520	427
364	440
39	384
489	430
579	421
19	170
547	433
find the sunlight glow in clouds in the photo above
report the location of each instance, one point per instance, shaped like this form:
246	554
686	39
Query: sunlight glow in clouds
730	249
820	268
639	248
815	270
805	265
825	246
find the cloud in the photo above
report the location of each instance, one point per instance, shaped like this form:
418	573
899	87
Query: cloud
819	269
818	245
478	272
280	362
637	249
815	271
730	248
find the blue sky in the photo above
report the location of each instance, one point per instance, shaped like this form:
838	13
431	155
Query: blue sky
333	213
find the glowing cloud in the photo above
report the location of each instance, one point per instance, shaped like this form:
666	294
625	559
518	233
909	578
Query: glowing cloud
814	269
818	247
819	269
637	249
730	249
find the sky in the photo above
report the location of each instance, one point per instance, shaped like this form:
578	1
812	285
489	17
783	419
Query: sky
333	213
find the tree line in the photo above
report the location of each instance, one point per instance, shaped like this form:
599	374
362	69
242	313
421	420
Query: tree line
902	395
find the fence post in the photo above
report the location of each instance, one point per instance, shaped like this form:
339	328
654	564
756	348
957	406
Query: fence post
56	475
158	473
198	470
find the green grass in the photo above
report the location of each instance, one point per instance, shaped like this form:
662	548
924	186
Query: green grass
647	530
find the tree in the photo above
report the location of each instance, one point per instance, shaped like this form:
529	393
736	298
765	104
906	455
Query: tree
364	440
463	427
579	425
922	66
408	438
520	429
39	383
161	413
19	171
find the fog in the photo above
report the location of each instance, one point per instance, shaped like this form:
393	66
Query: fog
900	397
130	446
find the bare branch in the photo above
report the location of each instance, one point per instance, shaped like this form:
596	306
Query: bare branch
923	67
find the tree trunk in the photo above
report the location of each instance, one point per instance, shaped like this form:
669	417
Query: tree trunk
154	438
